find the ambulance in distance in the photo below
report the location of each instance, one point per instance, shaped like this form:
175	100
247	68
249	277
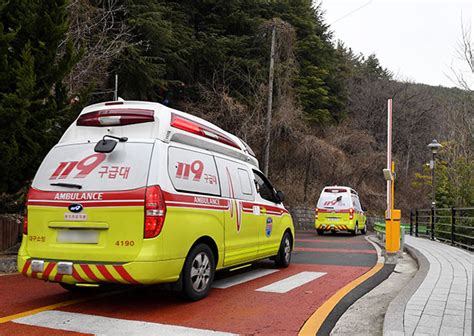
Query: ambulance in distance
339	209
139	193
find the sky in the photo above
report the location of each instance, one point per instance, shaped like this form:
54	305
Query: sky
415	39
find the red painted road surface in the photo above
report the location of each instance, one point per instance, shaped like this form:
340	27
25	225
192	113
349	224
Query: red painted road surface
239	309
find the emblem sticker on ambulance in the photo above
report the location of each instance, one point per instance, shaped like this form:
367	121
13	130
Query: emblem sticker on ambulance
269	227
75	207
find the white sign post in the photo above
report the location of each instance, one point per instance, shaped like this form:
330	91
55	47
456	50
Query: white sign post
389	158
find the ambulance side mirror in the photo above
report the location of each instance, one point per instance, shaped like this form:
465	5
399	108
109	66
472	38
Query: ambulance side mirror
364	209
280	196
108	145
105	146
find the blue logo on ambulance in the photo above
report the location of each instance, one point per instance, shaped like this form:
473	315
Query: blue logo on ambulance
269	227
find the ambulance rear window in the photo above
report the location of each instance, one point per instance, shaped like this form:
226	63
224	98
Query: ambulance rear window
82	169
334	199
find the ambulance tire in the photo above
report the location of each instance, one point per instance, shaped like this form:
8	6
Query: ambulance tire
283	258
320	232
200	262
364	230
355	232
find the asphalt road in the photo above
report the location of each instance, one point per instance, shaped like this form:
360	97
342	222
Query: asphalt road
256	300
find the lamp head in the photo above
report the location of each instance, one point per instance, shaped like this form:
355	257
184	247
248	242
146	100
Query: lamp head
434	146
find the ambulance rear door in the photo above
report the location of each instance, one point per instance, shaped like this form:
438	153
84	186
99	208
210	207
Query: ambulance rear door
87	205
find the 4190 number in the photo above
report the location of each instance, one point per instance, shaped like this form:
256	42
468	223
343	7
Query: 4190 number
125	243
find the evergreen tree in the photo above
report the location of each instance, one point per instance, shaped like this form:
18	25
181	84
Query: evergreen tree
32	99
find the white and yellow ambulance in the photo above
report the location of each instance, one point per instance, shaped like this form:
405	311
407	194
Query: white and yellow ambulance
139	193
339	209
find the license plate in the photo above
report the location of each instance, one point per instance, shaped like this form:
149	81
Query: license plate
78	236
75	217
333	218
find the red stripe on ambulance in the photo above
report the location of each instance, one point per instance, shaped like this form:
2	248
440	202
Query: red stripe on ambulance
125	275
89	272
48	270
103	270
26	266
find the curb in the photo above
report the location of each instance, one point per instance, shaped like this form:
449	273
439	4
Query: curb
394	316
323	320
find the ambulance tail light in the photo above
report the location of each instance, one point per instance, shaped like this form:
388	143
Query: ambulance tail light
115	117
155	211
316	213
351	213
25	222
190	126
25	216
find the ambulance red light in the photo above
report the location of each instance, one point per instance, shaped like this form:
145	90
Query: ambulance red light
351	213
115	117
25	222
155	211
201	130
25	216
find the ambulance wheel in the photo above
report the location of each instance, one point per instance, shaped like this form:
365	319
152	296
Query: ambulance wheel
355	232
282	259
320	232
364	230
198	272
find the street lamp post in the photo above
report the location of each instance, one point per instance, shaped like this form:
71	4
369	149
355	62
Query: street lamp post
433	146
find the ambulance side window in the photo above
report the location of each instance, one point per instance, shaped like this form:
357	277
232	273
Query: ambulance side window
245	181
192	171
235	180
264	188
356	203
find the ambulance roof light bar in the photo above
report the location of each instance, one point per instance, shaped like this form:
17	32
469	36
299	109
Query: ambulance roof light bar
194	127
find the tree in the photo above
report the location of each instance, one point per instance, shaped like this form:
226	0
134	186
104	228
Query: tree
99	32
33	100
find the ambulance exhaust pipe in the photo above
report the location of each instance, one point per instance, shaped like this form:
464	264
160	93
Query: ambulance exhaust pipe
87	285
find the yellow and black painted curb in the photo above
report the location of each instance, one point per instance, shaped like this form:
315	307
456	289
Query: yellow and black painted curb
323	320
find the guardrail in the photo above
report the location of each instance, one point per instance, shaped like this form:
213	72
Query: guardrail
379	228
450	225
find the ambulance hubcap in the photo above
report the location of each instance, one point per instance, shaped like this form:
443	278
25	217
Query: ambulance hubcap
200	272
287	250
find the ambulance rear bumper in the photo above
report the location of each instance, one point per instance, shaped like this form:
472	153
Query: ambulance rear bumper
72	272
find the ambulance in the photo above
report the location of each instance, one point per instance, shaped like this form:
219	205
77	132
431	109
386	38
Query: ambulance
339	209
139	193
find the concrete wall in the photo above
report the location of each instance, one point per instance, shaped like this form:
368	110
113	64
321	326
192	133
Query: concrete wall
303	217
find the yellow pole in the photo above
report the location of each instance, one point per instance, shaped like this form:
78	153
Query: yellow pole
392	205
392	227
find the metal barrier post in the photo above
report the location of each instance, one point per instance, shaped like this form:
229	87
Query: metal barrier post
453	223
411	222
432	222
416	223
402	238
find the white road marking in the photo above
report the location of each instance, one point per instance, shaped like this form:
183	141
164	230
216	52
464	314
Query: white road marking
241	278
99	325
285	285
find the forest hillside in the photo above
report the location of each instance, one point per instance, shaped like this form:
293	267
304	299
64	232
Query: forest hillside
211	59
